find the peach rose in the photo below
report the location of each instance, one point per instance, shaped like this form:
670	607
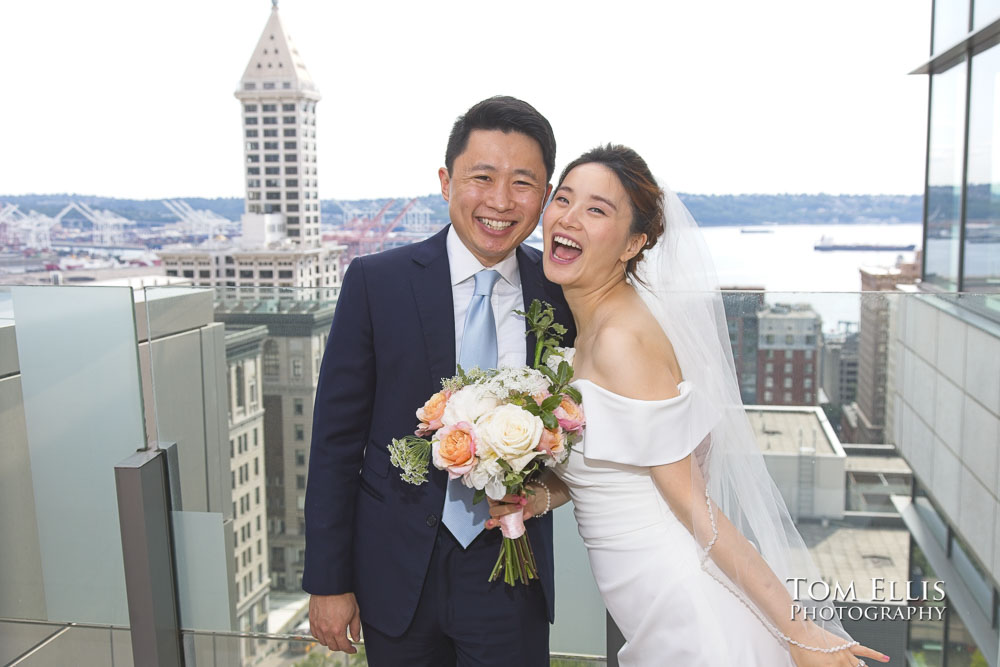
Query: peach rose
454	449
430	415
570	415
553	442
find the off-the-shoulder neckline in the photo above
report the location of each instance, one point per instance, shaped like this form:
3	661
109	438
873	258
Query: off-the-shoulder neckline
684	387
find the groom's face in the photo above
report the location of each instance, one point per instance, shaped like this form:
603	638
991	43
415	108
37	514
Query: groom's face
495	192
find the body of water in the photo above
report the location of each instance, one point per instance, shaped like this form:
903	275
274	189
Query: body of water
785	263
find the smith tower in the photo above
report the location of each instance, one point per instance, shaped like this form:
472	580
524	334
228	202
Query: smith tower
279	126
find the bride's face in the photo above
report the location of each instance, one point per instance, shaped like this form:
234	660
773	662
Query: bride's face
586	228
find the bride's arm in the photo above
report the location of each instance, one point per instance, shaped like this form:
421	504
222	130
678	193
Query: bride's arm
682	486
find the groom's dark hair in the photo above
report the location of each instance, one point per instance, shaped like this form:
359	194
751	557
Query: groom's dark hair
507	114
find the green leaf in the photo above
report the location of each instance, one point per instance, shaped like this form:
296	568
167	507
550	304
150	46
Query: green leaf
478	496
565	373
551	403
532	407
549	420
574	393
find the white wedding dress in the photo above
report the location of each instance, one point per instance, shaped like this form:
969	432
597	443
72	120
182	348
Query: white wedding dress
645	562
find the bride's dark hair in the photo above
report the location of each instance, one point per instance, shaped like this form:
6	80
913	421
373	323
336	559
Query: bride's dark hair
643	192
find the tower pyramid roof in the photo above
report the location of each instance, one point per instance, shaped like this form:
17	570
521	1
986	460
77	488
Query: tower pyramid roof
275	59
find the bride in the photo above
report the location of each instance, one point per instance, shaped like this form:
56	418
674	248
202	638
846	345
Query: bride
689	541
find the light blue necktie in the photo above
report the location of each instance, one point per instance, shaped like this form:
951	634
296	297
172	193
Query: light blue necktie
479	348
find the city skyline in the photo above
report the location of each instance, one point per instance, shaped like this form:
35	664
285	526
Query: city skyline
127	110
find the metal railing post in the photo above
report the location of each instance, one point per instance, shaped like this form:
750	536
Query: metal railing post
150	583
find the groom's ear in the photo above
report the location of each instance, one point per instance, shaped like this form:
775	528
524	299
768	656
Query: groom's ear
445	182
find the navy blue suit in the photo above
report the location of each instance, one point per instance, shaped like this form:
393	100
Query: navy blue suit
391	343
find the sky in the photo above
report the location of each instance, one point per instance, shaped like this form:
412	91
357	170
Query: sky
128	98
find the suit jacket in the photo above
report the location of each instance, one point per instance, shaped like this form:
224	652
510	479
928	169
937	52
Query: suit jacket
391	343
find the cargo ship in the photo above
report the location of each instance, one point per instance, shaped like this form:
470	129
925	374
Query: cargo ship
826	244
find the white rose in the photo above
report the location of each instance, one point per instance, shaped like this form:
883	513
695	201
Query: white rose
488	475
512	433
468	404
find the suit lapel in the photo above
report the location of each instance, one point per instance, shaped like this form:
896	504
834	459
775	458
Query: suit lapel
431	284
532	287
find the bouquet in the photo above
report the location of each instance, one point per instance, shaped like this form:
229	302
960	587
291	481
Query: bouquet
496	429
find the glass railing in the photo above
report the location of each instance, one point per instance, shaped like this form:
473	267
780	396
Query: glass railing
30	643
852	396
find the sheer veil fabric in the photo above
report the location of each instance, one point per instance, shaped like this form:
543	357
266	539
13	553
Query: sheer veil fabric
678	283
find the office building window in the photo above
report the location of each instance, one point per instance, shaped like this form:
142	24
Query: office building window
980	265
944	177
271	359
951	23
984	12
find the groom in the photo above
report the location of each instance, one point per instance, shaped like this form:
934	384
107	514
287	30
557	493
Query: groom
410	563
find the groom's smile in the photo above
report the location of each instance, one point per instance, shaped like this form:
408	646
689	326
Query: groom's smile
495	192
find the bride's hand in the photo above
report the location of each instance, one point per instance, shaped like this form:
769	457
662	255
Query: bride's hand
817	636
512	503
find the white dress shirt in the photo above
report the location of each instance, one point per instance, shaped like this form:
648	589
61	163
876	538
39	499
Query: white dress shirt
512	345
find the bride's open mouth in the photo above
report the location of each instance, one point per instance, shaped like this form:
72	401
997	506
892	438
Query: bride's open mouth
564	249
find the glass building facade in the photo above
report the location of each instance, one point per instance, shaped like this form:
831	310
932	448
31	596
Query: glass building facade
962	203
952	444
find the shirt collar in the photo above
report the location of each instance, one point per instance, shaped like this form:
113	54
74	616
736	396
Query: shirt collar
464	265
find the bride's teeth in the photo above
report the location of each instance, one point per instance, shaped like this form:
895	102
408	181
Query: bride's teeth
562	240
496	225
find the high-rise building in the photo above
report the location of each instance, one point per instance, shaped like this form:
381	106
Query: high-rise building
788	355
867	414
248	473
839	361
281	245
742	305
289	372
279	128
944	352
